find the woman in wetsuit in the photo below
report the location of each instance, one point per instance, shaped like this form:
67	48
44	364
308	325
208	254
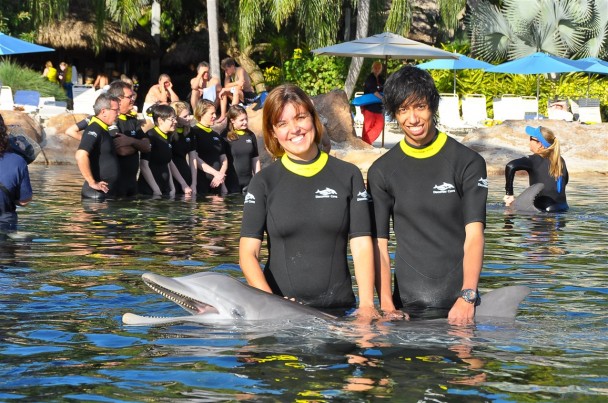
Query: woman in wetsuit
210	149
241	150
545	166
310	205
183	147
156	166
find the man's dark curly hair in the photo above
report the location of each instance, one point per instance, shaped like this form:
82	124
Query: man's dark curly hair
410	84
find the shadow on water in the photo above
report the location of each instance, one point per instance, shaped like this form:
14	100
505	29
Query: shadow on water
72	269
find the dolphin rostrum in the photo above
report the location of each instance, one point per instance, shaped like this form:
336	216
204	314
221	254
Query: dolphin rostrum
218	298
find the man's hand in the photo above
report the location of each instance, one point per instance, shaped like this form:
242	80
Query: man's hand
101	186
462	313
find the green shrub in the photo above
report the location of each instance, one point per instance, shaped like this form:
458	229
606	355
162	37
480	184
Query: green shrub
22	78
315	75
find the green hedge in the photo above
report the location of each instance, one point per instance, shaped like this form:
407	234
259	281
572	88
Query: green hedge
22	78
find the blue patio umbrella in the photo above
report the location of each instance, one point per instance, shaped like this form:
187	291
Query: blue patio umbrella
597	66
462	63
539	63
13	46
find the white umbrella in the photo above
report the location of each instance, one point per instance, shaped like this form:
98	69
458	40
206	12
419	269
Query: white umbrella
385	45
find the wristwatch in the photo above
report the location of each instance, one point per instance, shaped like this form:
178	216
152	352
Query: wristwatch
469	295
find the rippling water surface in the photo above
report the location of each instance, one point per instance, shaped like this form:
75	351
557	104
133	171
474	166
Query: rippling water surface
73	269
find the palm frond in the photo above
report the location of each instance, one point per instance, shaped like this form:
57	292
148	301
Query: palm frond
399	18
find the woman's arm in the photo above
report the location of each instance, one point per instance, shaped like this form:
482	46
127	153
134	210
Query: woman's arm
363	258
144	167
249	253
179	178
192	162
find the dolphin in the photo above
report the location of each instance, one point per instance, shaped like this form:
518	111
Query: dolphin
215	298
524	203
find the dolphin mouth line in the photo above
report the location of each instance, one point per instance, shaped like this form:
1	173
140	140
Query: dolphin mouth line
193	306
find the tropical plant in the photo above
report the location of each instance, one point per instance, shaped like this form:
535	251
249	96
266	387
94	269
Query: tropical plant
21	78
315	75
560	27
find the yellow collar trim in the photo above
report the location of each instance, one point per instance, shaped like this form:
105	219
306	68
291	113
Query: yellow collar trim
307	169
427	151
205	128
122	116
240	132
161	133
99	122
180	130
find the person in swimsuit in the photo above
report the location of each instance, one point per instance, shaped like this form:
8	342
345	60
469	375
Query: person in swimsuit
156	166
15	186
241	150
544	166
210	149
161	93
96	155
435	190
310	206
237	87
183	147
204	86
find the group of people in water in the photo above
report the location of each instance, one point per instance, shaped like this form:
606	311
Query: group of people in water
310	206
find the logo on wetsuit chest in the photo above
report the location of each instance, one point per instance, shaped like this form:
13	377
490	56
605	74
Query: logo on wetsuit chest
326	193
363	196
91	133
444	188
133	133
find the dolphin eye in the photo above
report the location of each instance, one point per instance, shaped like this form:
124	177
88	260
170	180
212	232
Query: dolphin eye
236	314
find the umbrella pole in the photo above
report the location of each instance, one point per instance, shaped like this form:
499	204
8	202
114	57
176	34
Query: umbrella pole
588	79
383	115
454	81
537	94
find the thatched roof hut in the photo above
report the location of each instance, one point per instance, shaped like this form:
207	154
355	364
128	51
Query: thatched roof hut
76	34
189	49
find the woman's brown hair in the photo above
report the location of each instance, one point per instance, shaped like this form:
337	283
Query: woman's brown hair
234	112
202	106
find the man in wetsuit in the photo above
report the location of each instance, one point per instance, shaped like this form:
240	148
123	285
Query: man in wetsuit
96	156
129	141
435	191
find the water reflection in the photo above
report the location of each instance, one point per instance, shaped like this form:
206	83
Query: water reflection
72	269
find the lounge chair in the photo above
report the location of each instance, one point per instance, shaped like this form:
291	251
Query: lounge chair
529	106
358	118
84	98
474	110
28	100
508	107
449	112
6	98
589	110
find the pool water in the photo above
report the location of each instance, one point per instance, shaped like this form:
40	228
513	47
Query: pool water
73	268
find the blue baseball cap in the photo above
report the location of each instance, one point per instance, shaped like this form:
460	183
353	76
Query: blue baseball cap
538	135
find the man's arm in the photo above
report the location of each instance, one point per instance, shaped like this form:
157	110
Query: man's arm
84	165
127	145
463	312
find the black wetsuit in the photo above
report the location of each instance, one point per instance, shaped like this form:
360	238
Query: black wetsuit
431	194
182	145
158	160
308	221
96	140
549	199
129	164
240	153
210	147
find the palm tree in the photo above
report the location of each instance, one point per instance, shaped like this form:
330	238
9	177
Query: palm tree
355	65
559	27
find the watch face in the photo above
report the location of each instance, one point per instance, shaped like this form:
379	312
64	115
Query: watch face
469	295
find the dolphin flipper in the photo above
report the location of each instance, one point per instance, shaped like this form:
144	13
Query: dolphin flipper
525	201
502	302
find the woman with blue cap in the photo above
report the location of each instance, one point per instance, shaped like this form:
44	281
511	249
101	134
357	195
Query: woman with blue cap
545	166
